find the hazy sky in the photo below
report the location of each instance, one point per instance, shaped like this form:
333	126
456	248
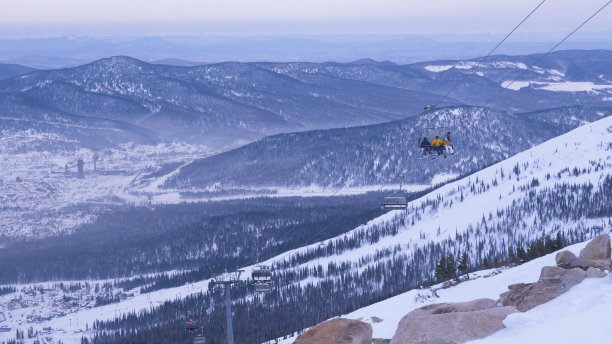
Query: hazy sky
40	18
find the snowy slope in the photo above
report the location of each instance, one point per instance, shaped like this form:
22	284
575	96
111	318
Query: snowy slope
442	214
451	216
586	304
486	213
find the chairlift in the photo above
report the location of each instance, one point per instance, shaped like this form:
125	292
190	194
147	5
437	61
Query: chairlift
394	202
443	148
199	339
191	326
435	141
262	278
262	287
261	273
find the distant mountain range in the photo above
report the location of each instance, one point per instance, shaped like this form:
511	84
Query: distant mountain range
62	52
229	104
8	71
371	155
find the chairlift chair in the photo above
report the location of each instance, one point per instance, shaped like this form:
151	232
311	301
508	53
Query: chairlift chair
428	135
261	274
200	339
191	326
262	287
262	278
395	202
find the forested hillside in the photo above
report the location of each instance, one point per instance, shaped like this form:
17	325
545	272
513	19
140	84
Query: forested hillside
557	193
225	105
374	154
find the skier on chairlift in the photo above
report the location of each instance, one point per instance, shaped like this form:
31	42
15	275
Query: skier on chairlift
437	145
426	146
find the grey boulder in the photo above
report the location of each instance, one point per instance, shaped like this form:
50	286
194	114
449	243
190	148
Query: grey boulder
563	258
535	294
595	273
337	331
451	322
598	248
548	272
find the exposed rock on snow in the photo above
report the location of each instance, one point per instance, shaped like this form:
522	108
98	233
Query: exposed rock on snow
595	273
338	331
548	272
598	248
602	264
564	257
535	294
443	308
454	323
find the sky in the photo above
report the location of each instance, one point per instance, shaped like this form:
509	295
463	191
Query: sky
44	18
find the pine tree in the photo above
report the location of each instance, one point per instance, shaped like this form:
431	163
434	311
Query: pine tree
463	264
558	242
440	269
451	267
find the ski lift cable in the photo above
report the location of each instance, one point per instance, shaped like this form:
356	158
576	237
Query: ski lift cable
461	81
473	70
439	102
547	53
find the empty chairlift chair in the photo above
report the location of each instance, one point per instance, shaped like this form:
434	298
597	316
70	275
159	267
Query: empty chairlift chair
199	340
262	278
391	203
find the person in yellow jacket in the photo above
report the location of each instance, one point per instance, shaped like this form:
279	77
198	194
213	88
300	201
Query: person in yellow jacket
437	145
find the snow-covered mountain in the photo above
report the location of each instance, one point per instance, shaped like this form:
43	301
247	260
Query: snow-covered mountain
563	185
373	155
8	70
227	104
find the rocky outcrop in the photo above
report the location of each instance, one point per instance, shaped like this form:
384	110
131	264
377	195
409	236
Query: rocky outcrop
443	308
602	264
451	323
564	257
338	331
596	249
595	273
548	272
531	295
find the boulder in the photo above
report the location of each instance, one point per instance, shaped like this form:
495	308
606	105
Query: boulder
602	264
595	273
442	308
535	294
516	286
547	272
337	331
451	327
563	258
598	248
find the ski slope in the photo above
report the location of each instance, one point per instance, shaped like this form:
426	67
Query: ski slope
437	217
454	210
586	306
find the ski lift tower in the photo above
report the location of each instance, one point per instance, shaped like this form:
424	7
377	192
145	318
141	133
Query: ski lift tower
227	280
